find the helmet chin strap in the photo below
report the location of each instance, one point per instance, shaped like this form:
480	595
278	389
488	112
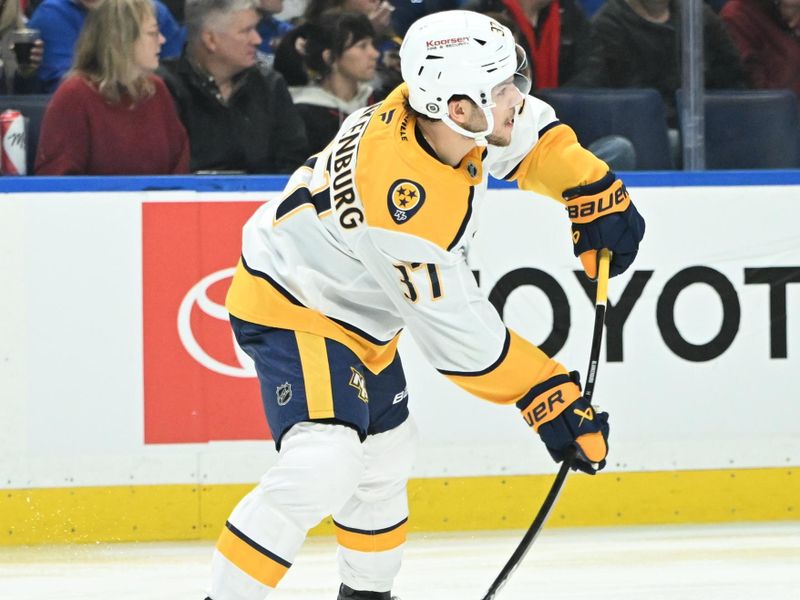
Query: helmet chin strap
478	136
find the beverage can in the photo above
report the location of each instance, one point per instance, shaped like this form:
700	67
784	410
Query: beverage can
13	160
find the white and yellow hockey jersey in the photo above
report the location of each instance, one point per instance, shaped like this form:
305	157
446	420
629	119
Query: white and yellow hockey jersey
370	237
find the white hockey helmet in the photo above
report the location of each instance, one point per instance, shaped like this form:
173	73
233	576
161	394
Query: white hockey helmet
459	52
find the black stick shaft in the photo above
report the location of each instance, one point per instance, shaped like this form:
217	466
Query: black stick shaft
533	530
594	355
601	299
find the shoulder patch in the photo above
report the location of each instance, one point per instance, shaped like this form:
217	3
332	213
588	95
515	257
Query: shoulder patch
405	198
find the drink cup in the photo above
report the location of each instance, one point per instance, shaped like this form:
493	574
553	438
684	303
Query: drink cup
23	41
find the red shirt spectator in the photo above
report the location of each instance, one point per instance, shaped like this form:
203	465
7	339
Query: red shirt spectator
112	116
767	33
83	134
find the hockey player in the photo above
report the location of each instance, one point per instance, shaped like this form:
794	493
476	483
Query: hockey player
369	238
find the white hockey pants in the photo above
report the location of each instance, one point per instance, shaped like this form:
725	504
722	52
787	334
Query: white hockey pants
322	470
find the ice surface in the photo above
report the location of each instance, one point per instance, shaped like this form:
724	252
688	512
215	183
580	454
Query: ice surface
722	562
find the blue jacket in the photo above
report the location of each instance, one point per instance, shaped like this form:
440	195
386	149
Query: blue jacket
271	31
60	22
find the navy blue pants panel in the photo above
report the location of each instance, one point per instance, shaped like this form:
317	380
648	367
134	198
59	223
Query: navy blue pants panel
283	390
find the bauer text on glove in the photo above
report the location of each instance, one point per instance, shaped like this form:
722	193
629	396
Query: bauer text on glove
556	410
603	216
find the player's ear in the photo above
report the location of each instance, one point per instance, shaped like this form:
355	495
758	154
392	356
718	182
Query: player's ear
459	110
326	57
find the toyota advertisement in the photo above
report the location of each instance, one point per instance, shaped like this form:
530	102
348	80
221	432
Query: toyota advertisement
684	312
198	385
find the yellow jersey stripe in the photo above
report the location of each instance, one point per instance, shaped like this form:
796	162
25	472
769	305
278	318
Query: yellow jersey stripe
316	375
521	363
372	541
558	145
258	562
254	298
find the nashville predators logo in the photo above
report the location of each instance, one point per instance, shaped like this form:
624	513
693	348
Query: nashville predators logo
405	199
357	381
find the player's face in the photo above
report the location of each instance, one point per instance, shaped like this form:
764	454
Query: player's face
506	97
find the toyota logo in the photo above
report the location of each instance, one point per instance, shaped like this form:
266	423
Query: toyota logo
198	295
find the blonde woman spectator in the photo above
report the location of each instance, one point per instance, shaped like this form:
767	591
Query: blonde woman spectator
112	116
60	23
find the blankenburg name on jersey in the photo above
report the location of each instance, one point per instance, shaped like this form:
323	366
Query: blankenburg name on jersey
345	202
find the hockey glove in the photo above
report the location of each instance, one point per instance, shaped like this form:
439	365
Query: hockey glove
603	216
563	419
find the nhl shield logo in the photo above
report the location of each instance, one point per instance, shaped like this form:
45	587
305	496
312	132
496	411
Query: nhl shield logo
405	199
283	393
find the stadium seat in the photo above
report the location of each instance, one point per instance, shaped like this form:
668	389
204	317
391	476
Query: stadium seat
33	107
751	129
637	114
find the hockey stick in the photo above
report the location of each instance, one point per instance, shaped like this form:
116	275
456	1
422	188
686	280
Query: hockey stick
601	298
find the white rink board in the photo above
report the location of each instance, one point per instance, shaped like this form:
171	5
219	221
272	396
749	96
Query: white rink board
71	391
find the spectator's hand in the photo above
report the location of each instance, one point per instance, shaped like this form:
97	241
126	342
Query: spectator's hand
564	419
381	17
37	53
